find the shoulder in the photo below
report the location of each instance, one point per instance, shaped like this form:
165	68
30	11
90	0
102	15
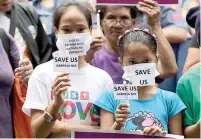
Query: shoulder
100	55
166	95
25	6
98	71
190	76
172	100
106	101
101	74
43	70
28	8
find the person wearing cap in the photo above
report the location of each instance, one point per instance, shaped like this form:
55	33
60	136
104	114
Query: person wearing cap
193	58
188	87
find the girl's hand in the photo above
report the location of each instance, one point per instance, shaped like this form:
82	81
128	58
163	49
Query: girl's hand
151	131
24	71
152	10
59	87
122	114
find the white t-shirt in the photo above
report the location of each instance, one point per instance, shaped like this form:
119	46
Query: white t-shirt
87	85
5	22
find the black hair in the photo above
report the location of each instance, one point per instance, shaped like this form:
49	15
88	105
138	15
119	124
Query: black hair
103	10
84	7
137	36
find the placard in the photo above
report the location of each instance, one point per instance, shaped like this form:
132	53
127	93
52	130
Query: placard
97	133
144	74
65	63
125	92
74	44
132	2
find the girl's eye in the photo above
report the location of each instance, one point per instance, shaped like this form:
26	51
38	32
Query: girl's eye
66	30
146	61
132	62
81	30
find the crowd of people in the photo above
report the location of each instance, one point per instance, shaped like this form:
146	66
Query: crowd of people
37	102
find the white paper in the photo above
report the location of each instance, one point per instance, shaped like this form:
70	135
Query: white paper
65	63
125	92
144	74
75	44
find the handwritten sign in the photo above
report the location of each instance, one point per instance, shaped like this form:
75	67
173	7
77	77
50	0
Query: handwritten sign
65	63
125	92
97	133
132	2
75	44
144	74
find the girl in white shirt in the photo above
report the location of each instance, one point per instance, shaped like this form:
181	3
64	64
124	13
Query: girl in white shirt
72	94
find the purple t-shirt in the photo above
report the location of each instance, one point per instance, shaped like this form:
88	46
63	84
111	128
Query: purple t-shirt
108	61
6	84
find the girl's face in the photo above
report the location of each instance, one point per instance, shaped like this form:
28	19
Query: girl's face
73	22
137	53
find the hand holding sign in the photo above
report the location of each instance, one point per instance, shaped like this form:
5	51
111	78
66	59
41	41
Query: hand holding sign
152	131
97	43
59	87
24	71
152	10
122	114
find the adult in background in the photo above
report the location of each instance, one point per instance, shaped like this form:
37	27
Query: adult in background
23	23
9	61
45	96
175	30
114	21
188	87
193	58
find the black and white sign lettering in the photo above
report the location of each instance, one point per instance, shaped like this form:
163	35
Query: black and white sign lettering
125	92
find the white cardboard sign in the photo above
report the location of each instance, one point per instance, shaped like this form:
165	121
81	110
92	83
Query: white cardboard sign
125	92
77	44
65	63
144	74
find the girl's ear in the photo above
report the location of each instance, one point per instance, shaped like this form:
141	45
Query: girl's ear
91	29
56	31
157	58
120	61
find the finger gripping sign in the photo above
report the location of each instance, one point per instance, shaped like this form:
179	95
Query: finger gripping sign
132	2
144	74
125	92
62	63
